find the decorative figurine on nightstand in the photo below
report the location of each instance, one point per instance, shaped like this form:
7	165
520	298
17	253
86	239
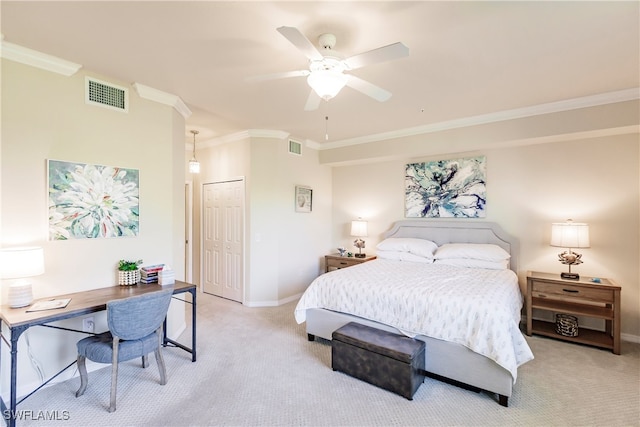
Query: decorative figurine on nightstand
342	251
359	243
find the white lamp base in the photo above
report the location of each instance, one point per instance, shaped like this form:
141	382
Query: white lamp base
20	295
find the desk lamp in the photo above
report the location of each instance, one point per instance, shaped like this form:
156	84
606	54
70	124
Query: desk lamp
19	264
570	235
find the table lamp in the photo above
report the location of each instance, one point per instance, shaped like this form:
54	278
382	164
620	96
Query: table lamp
19	264
359	229
570	235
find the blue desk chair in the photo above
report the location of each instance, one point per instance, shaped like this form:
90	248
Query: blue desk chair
135	330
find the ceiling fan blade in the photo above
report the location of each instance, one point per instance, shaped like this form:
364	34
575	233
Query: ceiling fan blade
381	54
283	75
301	42
367	88
313	101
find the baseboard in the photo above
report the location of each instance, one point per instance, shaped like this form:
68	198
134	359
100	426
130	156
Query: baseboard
630	338
276	303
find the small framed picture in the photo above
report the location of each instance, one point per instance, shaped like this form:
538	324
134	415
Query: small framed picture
303	199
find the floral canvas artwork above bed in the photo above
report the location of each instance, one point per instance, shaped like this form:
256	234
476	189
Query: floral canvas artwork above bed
446	188
92	201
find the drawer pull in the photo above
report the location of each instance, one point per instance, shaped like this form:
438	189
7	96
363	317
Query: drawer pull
573	291
343	263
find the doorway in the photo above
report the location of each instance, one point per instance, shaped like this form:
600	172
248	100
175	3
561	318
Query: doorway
223	239
188	232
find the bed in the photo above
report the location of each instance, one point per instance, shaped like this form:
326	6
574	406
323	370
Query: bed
483	303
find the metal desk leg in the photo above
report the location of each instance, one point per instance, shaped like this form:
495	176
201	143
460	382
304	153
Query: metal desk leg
193	325
166	340
10	417
3	406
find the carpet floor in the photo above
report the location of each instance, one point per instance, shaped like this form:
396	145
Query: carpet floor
255	367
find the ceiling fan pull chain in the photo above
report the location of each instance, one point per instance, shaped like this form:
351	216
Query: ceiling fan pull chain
326	128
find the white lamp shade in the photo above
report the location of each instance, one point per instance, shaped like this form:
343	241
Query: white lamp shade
570	234
194	166
16	263
327	83
359	228
19	264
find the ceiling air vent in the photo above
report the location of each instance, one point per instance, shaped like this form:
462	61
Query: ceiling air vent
295	147
106	95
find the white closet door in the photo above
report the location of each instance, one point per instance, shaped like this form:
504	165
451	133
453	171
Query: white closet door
223	239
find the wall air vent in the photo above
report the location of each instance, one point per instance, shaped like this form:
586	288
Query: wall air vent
106	95
295	147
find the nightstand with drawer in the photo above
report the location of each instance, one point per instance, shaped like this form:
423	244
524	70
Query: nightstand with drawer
584	297
334	262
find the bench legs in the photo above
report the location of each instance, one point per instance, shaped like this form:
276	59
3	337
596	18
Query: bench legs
503	400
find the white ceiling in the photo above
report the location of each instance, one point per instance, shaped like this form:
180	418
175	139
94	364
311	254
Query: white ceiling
466	58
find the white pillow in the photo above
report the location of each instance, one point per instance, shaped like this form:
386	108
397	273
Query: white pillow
483	251
421	247
402	256
474	263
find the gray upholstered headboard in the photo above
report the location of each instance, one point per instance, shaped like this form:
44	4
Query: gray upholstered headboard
458	231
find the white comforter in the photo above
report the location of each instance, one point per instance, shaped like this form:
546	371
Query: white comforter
477	308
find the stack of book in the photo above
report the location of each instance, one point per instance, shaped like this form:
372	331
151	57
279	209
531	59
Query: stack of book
149	273
166	276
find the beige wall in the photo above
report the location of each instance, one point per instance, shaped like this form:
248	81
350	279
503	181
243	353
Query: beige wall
304	238
283	249
217	163
528	187
45	117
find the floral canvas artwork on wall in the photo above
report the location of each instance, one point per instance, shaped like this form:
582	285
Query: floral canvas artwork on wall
92	201
446	188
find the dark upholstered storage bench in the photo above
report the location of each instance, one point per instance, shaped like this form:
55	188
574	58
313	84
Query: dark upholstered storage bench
384	359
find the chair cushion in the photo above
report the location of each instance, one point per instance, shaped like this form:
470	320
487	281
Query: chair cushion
98	347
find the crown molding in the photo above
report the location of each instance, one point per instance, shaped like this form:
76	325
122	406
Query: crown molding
225	139
268	133
312	144
33	58
548	108
245	134
169	99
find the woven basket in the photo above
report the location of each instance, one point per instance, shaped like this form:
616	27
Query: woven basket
128	278
567	325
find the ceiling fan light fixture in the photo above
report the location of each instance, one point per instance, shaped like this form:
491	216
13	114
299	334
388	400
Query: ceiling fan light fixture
327	83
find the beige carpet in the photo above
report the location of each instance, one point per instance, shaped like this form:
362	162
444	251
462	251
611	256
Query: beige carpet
255	367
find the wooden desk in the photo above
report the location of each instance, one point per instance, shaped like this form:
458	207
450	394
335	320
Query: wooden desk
19	320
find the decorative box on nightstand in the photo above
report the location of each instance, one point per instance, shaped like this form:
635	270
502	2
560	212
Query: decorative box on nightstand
584	297
334	262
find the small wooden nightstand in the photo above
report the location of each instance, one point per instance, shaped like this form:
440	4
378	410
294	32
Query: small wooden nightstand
334	262
582	297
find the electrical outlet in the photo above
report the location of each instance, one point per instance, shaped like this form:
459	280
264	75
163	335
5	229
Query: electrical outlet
87	324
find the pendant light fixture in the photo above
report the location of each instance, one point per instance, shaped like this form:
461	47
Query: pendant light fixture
194	166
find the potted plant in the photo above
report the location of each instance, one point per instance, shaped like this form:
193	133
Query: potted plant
128	272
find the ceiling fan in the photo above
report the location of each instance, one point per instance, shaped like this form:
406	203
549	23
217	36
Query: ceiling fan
326	73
